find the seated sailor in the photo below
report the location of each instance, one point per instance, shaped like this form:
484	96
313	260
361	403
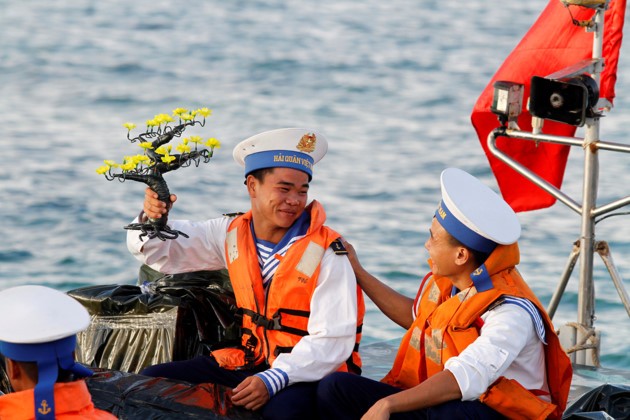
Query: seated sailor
295	289
479	344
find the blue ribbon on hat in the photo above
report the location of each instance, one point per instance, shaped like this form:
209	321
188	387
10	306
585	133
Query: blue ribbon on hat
461	232
279	159
49	358
481	279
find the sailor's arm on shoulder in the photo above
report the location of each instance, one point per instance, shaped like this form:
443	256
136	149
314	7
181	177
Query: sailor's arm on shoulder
394	305
506	331
202	250
331	326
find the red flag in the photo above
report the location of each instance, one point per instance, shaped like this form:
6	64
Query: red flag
551	44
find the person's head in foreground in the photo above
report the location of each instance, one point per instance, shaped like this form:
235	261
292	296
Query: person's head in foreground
38	339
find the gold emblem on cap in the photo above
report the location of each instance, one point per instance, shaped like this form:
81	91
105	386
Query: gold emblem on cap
307	143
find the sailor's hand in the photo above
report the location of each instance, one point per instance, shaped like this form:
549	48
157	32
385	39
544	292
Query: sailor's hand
379	411
155	208
352	255
251	393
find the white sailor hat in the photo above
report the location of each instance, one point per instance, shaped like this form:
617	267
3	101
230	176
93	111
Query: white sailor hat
40	325
296	148
474	214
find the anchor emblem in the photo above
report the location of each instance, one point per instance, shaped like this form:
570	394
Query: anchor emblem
45	408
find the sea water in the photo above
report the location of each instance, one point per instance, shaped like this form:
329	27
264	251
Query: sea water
392	85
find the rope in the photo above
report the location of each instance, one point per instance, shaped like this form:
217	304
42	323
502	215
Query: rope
589	341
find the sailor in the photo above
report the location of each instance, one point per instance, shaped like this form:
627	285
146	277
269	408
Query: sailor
479	344
294	286
37	340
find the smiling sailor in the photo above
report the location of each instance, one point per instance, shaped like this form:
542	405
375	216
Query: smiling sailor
37	340
479	344
294	286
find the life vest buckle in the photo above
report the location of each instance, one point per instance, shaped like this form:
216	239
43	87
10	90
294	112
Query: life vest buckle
268	323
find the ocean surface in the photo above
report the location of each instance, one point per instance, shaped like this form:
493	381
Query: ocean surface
392	85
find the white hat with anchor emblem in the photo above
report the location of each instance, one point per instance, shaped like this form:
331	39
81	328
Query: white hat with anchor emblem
40	325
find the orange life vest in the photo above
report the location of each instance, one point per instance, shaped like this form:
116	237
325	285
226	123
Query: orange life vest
446	325
72	401
273	322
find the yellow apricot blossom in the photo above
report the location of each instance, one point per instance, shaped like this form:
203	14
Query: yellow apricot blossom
102	169
168	159
213	143
146	145
140	159
128	166
182	148
129	126
204	112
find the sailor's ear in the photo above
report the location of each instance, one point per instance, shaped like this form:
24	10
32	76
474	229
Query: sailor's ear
12	368
252	185
15	373
21	375
463	255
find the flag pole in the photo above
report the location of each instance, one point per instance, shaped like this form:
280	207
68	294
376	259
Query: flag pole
586	292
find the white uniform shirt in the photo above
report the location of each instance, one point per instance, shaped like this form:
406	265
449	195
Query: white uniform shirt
332	322
508	345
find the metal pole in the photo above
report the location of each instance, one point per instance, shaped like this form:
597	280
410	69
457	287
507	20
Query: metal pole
604	251
586	294
566	274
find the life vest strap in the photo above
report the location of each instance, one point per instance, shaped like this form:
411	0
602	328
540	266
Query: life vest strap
353	367
261	320
275	322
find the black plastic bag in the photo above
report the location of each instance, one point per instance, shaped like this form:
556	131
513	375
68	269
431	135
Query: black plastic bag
604	402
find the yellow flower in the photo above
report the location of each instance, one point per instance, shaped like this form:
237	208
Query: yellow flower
186	117
152	123
146	145
110	163
128	166
213	143
182	148
196	139
161	150
102	169
179	111
140	159
185	140
163	118
205	112
168	159
129	126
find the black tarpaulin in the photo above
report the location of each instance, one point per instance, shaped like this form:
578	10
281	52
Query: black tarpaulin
175	317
